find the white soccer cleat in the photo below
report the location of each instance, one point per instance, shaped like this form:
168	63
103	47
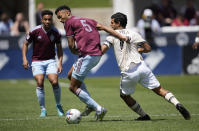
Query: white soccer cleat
100	115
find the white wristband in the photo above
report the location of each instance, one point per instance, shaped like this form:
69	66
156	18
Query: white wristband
197	39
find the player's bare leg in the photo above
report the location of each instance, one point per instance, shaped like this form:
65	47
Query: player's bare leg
39	80
53	78
172	99
40	93
70	73
135	107
74	85
83	86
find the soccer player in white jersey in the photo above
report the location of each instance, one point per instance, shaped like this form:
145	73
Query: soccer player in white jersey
133	68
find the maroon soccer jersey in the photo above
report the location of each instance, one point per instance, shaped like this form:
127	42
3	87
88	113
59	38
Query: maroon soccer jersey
43	42
85	34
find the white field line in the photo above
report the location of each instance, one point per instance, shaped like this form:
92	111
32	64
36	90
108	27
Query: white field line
62	84
108	116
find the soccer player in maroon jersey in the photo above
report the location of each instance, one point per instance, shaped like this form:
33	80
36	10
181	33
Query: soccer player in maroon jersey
84	39
44	38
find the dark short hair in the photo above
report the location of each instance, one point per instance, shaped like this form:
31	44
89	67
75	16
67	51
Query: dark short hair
46	12
63	7
120	17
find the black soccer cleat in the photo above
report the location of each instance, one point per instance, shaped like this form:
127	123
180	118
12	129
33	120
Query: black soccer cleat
143	118
87	111
183	111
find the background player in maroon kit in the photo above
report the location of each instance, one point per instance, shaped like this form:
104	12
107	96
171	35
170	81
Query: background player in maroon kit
84	39
44	38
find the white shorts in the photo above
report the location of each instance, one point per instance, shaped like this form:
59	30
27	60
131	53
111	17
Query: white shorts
138	74
83	66
44	67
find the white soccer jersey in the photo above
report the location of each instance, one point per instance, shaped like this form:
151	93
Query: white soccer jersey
126	53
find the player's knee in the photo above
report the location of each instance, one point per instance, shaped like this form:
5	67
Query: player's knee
40	87
157	90
54	83
69	77
160	91
71	89
40	83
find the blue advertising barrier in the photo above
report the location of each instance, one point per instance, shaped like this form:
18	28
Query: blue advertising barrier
11	64
165	60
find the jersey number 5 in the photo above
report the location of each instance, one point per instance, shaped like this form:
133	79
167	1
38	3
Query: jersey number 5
86	26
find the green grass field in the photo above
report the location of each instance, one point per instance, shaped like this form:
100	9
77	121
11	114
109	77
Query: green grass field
76	3
19	110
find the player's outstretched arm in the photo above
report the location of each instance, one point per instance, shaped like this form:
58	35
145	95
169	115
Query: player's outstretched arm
112	32
60	57
104	48
24	52
71	45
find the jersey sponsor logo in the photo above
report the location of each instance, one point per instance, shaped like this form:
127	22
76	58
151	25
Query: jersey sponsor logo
125	32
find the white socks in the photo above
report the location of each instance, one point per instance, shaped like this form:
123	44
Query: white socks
84	97
41	97
171	98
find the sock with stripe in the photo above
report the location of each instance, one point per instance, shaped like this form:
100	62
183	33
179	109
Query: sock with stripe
84	97
171	98
137	108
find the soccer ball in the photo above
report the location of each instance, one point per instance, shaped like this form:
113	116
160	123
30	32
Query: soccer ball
73	116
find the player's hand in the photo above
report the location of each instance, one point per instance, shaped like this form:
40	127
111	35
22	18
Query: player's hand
25	64
60	68
124	38
140	50
127	39
195	46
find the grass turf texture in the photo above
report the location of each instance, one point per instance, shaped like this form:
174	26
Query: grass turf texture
19	110
76	3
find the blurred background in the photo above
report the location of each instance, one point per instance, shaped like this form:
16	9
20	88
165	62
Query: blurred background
170	26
